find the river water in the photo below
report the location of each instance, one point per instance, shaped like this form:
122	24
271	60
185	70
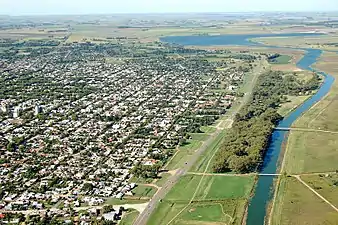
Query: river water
263	193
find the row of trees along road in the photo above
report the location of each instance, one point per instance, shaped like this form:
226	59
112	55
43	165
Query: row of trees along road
244	146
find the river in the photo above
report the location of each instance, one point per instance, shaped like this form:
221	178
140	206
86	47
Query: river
263	193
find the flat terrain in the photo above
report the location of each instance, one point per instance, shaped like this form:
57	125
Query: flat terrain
296	204
326	42
312	152
129	218
218	200
291	104
282	59
316	152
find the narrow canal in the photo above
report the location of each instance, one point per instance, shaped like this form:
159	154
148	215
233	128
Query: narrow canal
263	193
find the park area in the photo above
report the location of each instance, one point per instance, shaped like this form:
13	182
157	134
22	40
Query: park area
209	199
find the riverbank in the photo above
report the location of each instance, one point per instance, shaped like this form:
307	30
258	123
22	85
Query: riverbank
304	157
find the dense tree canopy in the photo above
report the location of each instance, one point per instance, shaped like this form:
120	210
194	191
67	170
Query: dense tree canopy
245	144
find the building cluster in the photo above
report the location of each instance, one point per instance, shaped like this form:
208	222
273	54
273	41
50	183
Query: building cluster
72	128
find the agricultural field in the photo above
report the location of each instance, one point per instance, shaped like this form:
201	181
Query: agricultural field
296	204
324	42
325	185
216	200
310	152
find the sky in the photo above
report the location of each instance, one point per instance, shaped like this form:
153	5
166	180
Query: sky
45	7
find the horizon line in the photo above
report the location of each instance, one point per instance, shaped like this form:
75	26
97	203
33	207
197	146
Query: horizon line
165	13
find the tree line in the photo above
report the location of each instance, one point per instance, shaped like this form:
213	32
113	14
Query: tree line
243	149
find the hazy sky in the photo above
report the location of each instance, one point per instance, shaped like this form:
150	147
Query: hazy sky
19	7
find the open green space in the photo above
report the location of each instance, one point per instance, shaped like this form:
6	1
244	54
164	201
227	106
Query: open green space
296	204
208	154
311	152
129	218
292	103
208	129
163	178
144	191
326	185
219	200
116	201
141	180
183	154
199	136
211	187
282	59
324	114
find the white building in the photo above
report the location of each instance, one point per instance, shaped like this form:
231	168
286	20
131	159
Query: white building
17	111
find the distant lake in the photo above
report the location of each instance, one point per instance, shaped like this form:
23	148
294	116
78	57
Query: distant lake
264	189
228	39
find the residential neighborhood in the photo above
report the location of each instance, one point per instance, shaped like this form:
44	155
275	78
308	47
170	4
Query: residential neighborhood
74	122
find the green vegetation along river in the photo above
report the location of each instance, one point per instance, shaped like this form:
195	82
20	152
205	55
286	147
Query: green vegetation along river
262	195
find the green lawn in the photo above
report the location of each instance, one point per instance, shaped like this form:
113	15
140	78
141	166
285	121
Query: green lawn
144	191
204	159
183	154
129	218
208	129
140	180
199	136
311	152
115	201
291	104
211	188
161	181
282	59
220	199
296	204
164	212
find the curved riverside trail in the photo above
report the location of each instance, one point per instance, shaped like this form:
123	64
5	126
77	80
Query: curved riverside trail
257	209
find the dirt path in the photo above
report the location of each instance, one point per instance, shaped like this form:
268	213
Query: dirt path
305	130
315	192
222	174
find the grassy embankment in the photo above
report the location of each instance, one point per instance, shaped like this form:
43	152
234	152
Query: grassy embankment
219	200
312	152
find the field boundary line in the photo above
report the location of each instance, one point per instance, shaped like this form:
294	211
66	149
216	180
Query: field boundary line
197	189
315	192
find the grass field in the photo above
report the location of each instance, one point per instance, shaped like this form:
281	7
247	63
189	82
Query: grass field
161	181
204	159
115	201
219	200
324	114
296	204
307	42
291	104
183	154
282	59
317	152
311	152
325	185
144	191
129	218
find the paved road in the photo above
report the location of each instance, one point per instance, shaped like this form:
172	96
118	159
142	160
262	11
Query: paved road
144	216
